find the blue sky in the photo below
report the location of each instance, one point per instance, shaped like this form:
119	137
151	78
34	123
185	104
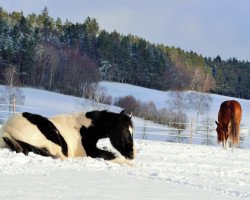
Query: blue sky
208	27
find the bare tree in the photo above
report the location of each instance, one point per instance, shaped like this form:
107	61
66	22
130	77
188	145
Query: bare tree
177	103
128	103
89	90
76	71
11	76
151	110
207	130
11	92
101	96
199	102
96	93
94	97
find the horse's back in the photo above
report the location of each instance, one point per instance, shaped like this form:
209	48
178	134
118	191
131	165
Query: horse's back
69	128
229	108
237	111
224	113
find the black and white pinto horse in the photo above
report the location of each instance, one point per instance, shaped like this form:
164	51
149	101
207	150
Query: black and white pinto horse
73	135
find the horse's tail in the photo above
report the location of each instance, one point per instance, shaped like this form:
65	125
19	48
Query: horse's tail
2	143
235	128
6	140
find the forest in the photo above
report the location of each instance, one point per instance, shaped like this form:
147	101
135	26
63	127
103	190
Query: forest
67	57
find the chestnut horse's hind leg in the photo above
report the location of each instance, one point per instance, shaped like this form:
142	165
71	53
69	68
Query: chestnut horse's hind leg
224	144
232	146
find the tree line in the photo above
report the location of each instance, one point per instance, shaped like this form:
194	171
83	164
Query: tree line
67	57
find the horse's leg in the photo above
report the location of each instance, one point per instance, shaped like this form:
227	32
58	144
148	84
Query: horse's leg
232	146
225	144
106	155
225	140
95	152
109	156
89	142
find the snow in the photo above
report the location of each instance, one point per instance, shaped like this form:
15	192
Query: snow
161	170
160	99
144	94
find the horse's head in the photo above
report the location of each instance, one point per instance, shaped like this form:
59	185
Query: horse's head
121	136
221	132
118	127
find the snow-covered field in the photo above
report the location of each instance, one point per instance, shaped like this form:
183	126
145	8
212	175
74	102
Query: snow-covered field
161	170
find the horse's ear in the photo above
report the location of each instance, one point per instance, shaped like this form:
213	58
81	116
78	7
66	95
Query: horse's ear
122	113
94	115
217	123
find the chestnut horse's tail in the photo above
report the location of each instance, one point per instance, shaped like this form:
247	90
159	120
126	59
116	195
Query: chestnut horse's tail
235	127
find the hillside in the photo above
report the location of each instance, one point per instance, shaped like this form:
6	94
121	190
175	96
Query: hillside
49	103
161	170
160	99
66	57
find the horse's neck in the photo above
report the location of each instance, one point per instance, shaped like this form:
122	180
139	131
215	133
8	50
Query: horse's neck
76	120
79	119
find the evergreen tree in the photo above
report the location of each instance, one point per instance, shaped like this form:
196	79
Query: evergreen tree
45	51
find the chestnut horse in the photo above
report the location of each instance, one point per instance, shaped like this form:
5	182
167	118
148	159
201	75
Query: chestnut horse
228	125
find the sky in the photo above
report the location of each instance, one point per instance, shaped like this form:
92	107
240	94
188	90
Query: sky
207	27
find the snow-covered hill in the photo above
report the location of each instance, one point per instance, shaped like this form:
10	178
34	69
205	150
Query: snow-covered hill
160	99
161	170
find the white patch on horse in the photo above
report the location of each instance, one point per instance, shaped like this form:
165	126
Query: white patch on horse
72	123
130	130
